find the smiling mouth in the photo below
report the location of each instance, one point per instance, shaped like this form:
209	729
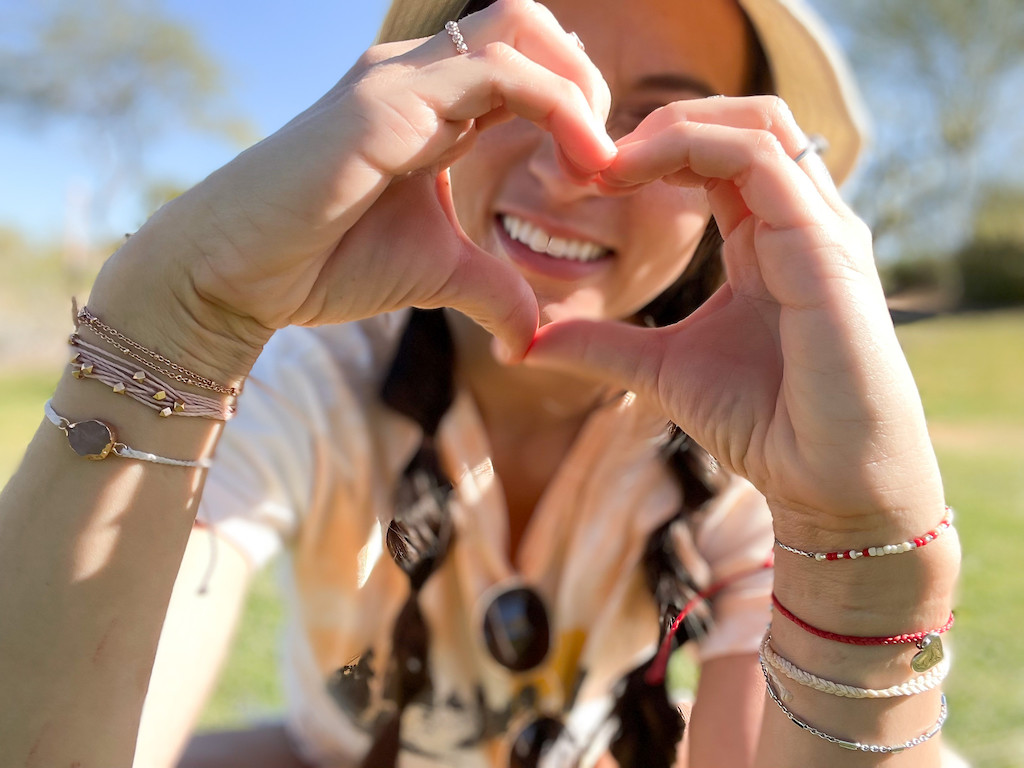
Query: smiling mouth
540	241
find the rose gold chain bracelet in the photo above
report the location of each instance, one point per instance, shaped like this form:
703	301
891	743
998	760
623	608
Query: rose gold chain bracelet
144	355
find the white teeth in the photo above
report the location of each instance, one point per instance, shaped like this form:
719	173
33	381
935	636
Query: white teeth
536	239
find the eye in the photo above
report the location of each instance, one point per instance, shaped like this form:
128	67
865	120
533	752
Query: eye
627	116
624	119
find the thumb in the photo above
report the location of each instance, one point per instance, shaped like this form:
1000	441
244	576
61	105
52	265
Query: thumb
487	289
623	355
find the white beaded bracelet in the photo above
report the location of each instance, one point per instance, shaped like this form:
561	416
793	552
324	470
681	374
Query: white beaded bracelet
877	551
925	682
95	440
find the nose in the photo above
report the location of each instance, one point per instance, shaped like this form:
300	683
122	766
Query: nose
544	166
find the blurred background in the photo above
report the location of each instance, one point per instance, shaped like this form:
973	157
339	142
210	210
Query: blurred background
110	108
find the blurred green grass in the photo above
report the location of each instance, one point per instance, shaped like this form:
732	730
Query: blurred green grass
970	369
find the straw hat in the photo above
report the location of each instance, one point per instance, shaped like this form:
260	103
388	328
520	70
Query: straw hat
807	66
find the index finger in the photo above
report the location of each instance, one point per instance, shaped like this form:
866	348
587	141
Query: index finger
533	30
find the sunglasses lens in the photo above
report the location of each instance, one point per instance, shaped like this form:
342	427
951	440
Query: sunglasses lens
533	741
516	629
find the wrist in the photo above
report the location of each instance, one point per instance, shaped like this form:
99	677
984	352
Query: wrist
144	290
873	596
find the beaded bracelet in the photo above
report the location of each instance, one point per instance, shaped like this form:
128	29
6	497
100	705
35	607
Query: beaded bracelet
857	746
94	362
878	551
926	682
95	440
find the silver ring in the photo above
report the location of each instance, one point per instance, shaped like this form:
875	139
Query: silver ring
816	144
579	43
805	152
452	28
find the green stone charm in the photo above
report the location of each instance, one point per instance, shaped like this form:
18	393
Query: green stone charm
931	653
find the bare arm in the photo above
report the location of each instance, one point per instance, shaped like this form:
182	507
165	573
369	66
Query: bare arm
89	551
726	718
193	646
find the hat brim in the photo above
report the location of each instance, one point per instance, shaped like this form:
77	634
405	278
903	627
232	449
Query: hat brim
808	69
813	78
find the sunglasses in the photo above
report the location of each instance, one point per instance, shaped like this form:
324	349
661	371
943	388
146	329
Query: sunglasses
517	635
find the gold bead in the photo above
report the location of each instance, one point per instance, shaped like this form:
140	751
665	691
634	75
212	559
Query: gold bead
119	388
161	395
76	357
86	370
77	373
139	376
179	407
165	412
73	339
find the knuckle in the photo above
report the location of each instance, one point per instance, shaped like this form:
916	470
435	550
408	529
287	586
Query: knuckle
766	148
497	53
775	113
861	231
515	9
374	55
367	87
525	13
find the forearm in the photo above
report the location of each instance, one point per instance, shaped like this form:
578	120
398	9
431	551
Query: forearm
90	550
867	597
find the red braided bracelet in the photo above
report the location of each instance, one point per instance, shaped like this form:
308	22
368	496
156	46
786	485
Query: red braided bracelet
910	637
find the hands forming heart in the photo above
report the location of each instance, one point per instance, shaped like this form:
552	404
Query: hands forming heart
790	375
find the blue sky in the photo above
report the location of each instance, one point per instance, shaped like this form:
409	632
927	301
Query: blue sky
278	59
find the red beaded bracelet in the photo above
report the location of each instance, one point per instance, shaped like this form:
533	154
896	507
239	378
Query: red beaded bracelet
910	637
887	549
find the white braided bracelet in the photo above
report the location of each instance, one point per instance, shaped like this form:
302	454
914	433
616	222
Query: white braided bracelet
926	682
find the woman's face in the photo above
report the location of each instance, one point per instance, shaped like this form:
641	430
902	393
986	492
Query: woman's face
588	255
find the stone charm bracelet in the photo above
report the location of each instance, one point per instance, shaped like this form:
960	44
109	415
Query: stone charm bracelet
95	440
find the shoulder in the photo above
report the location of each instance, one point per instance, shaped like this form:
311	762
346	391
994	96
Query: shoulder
736	526
357	347
325	363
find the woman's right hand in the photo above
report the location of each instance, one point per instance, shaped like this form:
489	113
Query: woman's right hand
345	212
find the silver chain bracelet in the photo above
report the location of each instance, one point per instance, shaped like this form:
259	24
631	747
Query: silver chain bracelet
856	746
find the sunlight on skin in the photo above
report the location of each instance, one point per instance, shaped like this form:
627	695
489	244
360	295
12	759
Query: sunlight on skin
585	304
99	540
94	548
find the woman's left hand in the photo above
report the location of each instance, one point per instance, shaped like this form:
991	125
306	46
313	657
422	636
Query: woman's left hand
791	374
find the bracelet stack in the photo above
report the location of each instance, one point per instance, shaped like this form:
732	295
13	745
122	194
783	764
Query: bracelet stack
115	366
931	663
91	361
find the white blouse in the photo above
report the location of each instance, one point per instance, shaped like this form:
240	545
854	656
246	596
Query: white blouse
308	468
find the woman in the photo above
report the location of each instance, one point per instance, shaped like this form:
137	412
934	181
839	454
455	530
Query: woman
490	530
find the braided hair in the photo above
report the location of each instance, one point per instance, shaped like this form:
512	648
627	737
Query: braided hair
420	385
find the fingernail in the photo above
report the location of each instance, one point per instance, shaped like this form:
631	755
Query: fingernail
607	144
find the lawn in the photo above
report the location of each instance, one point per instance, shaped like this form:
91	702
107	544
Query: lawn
970	369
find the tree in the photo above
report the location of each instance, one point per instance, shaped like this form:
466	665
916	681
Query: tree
122	70
936	74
